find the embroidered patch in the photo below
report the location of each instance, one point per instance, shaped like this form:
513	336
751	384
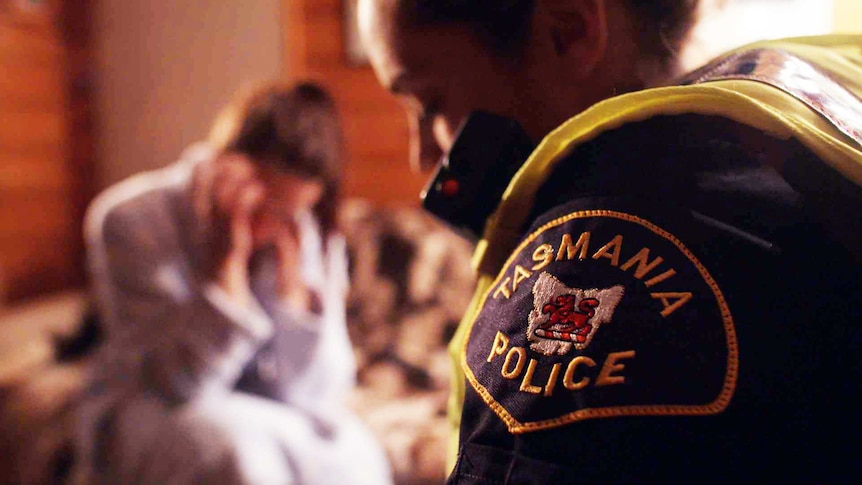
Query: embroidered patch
601	314
564	317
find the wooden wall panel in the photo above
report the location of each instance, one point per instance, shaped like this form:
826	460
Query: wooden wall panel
40	188
75	24
375	124
21	170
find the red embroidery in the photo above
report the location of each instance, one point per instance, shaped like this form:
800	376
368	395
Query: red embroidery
567	322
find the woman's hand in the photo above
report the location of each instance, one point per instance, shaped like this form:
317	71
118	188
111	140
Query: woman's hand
234	195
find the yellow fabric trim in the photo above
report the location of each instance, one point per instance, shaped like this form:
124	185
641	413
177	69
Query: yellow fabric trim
456	389
749	102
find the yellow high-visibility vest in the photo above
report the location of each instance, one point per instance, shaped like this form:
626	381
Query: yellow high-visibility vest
827	122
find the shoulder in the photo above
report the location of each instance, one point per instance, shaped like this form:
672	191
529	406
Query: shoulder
649	268
138	202
711	185
689	217
688	164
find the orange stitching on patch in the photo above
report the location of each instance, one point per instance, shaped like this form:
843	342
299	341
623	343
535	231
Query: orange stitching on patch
718	405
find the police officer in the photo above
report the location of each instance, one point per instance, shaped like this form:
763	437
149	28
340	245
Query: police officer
668	263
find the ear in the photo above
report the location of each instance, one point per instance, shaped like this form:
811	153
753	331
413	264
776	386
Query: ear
579	32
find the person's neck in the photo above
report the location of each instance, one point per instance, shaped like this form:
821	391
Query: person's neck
657	73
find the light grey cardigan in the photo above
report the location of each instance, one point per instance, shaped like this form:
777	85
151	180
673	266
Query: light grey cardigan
185	378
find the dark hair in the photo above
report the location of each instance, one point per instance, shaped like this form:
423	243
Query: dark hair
292	128
504	24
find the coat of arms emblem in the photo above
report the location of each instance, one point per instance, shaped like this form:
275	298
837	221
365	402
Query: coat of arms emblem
564	317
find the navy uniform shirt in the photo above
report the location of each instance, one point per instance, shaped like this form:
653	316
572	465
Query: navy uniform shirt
675	312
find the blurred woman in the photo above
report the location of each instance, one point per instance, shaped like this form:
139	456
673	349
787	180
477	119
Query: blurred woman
221	281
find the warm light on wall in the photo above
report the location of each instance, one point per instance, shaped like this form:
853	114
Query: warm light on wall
728	24
848	16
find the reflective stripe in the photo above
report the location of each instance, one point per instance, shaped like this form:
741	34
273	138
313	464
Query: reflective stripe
796	77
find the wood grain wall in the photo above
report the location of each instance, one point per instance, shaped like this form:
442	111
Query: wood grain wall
41	190
375	124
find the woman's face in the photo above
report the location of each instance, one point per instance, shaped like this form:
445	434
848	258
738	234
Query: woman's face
287	194
441	74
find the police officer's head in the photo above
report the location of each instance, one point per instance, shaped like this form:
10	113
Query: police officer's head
538	61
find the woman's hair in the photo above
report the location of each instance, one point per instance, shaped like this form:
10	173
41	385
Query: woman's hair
503	25
290	127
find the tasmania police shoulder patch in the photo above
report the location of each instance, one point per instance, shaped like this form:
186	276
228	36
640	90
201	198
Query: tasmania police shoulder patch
600	314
